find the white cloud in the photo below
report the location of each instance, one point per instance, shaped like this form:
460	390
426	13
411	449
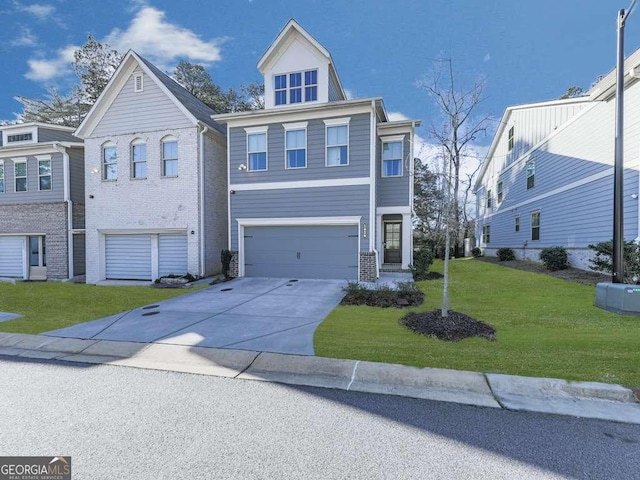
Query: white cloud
349	94
487	57
42	70
26	39
150	34
42	11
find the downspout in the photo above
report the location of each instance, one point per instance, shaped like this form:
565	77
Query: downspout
372	189
67	199
204	130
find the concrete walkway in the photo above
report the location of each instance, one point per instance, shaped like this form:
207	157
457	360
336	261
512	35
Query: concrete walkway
547	395
263	314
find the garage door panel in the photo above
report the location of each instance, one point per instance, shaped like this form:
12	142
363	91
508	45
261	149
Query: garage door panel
128	257
11	257
302	251
172	254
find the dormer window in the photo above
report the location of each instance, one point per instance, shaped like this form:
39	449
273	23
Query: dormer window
20	137
296	87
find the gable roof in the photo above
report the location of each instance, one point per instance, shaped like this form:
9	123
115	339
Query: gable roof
291	28
195	110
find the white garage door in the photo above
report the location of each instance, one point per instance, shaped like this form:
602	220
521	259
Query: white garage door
12	257
308	251
172	254
128	257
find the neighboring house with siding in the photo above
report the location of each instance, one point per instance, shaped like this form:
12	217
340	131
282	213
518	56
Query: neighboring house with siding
156	179
319	186
548	177
41	202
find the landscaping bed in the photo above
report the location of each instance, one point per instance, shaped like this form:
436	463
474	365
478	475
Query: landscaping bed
454	327
404	295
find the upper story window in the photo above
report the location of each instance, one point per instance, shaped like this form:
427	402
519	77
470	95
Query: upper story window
139	159
20	169
1	176
517	223
296	145
337	142
392	157
20	137
296	87
169	157
489	199
500	192
109	162
510	139
256	148
535	226
44	174
531	174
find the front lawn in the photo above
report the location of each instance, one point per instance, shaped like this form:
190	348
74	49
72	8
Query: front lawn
546	327
51	305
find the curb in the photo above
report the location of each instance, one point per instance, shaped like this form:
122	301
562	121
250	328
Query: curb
545	395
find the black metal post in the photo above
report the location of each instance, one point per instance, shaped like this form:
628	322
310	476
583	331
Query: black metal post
618	169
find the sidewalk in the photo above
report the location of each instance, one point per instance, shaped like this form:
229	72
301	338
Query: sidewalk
545	395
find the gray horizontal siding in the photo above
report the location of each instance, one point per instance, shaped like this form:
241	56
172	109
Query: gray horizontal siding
76	174
300	202
148	110
359	153
333	90
51	135
32	195
394	191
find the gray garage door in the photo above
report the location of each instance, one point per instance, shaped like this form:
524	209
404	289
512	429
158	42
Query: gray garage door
128	257
302	252
172	254
11	257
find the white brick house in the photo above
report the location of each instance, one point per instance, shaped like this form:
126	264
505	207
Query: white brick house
155	174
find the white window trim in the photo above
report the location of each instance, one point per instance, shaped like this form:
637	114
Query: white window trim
138	77
19	131
136	143
500	192
45	158
533	212
258	131
393	139
168	139
531	161
103	164
302	87
17	161
336	122
289	127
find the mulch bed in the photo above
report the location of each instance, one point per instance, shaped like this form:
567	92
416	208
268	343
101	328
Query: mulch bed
569	274
457	326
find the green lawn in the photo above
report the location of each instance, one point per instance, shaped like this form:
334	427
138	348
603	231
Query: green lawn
50	305
546	327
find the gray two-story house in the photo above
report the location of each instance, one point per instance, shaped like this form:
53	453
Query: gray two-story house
41	202
319	186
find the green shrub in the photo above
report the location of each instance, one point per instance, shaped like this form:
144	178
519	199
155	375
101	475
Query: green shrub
505	254
602	261
476	252
554	258
406	294
225	258
422	260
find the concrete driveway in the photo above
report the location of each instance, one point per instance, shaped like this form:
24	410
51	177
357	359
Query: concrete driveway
261	314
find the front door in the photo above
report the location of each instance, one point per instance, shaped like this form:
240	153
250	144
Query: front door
392	242
37	258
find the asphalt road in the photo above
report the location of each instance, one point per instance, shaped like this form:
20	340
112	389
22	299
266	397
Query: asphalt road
125	423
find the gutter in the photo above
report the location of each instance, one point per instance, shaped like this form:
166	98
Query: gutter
204	130
67	198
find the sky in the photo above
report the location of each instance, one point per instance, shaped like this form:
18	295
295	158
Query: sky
527	50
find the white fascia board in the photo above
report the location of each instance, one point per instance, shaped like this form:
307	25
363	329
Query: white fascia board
50	126
405	209
340	182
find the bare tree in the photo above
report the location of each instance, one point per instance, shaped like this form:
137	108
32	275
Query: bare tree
454	130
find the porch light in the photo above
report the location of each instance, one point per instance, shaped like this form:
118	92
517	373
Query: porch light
242	167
